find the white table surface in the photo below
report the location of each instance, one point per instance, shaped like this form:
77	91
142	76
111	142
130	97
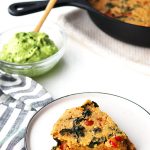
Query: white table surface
82	69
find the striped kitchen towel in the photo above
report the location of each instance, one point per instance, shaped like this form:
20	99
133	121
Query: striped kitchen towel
20	98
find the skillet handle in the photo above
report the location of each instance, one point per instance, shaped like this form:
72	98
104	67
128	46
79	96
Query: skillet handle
24	8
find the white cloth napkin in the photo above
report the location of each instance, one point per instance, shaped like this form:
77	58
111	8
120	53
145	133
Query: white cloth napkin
20	98
79	25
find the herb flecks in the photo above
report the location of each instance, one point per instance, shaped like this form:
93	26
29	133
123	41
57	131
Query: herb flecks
96	141
78	131
95	104
110	135
89	104
66	131
86	113
97	130
77	120
110	5
54	148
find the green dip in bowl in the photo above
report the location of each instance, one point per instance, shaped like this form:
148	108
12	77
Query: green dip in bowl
31	53
28	47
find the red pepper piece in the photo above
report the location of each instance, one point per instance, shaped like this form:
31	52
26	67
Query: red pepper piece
88	122
63	146
119	138
113	144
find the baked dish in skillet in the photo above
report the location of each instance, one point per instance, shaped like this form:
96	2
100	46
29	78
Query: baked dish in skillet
88	128
135	12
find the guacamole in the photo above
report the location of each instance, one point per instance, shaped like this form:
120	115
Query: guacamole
28	47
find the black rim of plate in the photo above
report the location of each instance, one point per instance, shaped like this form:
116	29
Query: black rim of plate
102	93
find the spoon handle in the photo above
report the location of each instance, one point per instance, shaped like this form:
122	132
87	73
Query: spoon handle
49	6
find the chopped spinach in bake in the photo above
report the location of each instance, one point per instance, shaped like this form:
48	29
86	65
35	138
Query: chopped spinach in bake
88	128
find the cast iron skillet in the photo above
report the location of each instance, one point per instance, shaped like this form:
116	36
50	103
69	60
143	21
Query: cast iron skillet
129	33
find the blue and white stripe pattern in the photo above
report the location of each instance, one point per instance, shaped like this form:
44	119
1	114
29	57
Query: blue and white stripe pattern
20	98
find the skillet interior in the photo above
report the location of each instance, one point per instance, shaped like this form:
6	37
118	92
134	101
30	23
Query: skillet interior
130	33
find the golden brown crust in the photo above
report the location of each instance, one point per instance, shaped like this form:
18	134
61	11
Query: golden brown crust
130	11
88	128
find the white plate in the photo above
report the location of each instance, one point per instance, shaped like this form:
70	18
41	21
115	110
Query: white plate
131	118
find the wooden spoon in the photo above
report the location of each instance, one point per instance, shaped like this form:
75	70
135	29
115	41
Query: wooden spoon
48	8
